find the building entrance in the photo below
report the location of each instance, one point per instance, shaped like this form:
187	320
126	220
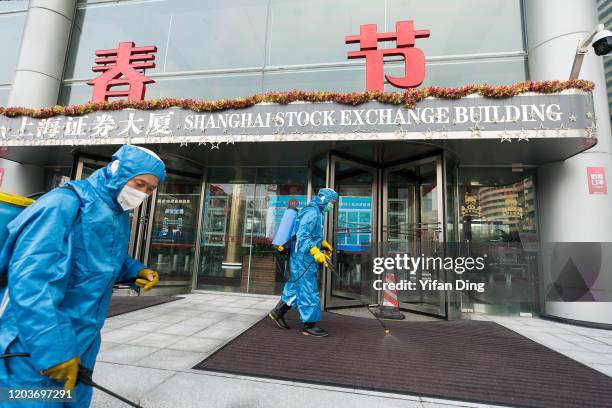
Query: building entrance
162	229
383	211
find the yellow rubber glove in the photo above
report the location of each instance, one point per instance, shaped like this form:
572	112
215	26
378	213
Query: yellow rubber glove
326	245
147	279
319	256
328	250
67	371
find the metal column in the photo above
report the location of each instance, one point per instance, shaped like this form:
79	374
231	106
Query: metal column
44	46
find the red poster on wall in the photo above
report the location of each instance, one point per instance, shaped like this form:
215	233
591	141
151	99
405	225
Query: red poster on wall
597	180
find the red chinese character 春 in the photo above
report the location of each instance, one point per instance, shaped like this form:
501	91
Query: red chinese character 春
120	67
414	59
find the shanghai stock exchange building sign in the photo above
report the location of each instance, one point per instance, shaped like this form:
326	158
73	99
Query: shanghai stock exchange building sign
524	117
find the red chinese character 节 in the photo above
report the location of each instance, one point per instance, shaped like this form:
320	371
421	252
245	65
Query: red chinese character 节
414	59
120	67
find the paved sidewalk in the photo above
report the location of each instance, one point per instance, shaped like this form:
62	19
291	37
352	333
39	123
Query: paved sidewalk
591	347
147	356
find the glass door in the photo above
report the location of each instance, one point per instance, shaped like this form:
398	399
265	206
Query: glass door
172	235
412	224
354	232
85	168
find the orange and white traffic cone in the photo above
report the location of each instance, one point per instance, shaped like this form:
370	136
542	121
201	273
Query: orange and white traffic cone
389	305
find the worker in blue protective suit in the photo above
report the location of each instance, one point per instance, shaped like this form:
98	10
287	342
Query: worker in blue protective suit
307	248
63	255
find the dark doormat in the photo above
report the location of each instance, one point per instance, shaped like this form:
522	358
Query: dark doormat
125	304
461	360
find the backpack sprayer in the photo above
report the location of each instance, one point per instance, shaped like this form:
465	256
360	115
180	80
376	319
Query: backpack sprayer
11	205
282	238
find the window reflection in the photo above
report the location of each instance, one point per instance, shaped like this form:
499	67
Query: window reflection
11	29
240	218
497	219
172	245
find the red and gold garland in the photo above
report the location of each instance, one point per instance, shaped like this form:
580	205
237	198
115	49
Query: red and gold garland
408	98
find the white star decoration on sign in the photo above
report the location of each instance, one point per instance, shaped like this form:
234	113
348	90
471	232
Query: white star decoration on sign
444	132
572	118
561	130
591	131
476	130
540	130
523	135
505	136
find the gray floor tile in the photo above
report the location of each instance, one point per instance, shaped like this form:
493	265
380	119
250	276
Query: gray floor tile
123	335
589	357
577	339
196	344
202	322
222	334
438	402
125	354
148	326
182	329
552	341
166	318
228	392
230	324
107	346
187	312
159	340
244	318
605	340
214	315
126	381
112	323
604	368
172	359
598	348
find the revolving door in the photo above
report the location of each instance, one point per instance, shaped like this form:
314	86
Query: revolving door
383	211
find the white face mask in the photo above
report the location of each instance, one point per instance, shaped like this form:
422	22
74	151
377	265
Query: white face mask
130	198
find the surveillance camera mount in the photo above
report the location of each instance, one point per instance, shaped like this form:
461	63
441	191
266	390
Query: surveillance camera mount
581	50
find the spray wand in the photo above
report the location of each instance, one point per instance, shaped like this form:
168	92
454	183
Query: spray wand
331	268
84	377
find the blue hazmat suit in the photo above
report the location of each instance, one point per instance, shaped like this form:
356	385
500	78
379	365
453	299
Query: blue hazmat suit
63	255
303	293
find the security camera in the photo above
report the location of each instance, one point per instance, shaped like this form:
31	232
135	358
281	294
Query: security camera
602	42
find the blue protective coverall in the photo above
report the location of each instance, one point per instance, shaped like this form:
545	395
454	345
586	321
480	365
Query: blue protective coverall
62	256
303	294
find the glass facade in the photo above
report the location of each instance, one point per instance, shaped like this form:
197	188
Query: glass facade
498	220
216	50
242	209
174	227
213	231
12	21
